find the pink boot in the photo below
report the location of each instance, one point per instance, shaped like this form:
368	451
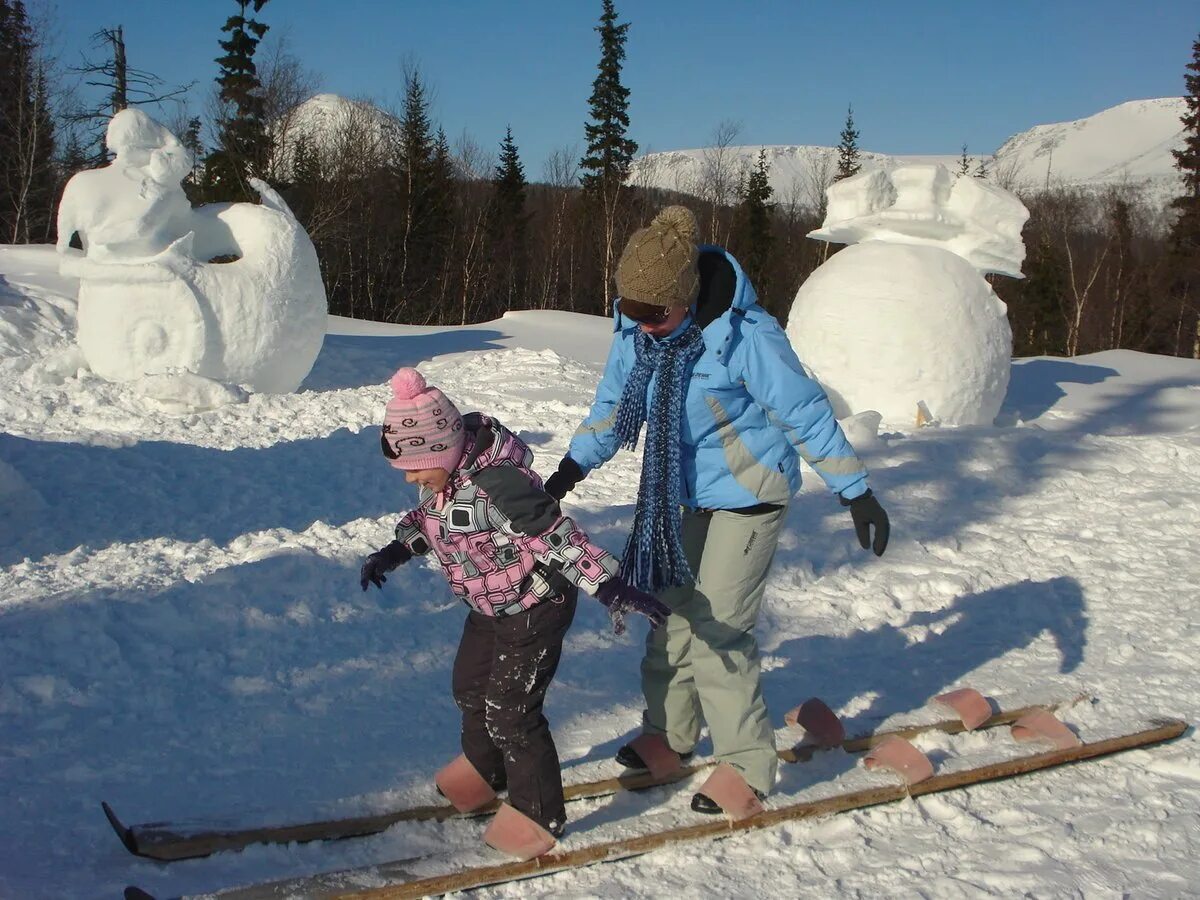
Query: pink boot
515	833
463	786
727	791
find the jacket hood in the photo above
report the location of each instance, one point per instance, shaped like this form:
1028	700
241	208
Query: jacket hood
488	441
726	296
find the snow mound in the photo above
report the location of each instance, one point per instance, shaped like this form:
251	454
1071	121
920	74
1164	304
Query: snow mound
886	327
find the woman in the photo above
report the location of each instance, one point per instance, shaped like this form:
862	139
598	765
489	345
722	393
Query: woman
729	414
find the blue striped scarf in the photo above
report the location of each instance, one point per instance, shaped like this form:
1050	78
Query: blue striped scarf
654	557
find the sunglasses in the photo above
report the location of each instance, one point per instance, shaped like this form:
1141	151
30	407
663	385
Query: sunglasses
644	313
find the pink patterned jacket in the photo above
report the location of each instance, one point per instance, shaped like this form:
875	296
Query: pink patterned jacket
503	542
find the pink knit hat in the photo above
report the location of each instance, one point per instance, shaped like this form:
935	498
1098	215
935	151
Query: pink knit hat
421	428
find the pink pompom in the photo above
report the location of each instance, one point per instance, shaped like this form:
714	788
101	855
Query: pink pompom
407	383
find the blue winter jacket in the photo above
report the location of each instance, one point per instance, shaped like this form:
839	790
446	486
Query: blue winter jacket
751	412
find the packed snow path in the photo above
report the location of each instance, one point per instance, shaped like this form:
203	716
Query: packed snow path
182	632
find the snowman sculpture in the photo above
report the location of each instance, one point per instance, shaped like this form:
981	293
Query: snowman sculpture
228	294
903	323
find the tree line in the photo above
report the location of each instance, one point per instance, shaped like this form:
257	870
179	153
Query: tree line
411	226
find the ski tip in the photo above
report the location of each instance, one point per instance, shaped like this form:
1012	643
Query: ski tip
124	833
136	893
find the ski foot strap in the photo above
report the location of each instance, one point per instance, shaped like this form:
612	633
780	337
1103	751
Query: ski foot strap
1043	725
970	705
657	754
461	784
514	833
820	723
728	789
899	756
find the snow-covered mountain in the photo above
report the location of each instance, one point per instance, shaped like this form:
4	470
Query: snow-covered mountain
333	126
1126	144
322	114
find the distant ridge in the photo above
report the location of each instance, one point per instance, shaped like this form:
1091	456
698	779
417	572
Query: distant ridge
1129	144
1126	144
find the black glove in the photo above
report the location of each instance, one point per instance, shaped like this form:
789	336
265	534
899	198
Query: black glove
564	480
381	561
866	511
620	597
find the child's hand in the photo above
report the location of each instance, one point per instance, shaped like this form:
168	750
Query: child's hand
621	597
563	481
382	561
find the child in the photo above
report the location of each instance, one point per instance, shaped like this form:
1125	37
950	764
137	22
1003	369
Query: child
518	564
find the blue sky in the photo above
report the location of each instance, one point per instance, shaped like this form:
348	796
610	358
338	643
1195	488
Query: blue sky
923	77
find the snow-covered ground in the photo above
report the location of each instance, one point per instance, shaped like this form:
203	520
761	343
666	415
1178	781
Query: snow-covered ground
182	632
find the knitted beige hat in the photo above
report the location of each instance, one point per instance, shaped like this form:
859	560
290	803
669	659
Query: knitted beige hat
659	262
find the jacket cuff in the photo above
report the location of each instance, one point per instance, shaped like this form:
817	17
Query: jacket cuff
853	492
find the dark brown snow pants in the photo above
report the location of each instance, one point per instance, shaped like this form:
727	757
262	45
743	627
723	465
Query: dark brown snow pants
501	674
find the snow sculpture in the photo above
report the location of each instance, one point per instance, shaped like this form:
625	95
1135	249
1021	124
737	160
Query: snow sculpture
152	302
903	323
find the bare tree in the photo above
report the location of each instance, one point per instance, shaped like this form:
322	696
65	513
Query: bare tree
561	172
1086	244
124	85
1007	172
817	173
720	171
286	85
475	165
473	161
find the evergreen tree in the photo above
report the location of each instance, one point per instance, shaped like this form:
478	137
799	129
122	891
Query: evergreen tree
1035	316
1185	233
416	135
981	170
74	157
848	163
964	163
1185	230
443	193
195	146
243	141
509	180
754	225
609	150
306	161
509	225
425	204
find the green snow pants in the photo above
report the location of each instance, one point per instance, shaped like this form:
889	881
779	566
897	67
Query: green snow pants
702	666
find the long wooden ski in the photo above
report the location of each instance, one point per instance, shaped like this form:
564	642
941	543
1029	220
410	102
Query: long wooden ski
408	880
169	842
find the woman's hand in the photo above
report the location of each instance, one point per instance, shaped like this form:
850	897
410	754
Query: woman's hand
866	511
